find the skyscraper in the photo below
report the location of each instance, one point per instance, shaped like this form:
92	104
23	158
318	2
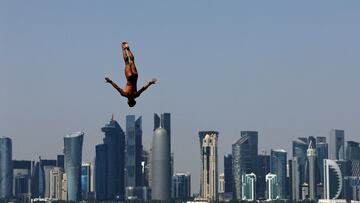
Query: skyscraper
181	186
133	151
48	165
73	156
22	179
161	179
263	168
337	144
272	187
55	189
38	180
322	152
333	180
228	176
278	159
248	187
209	170
352	150
86	177
6	173
60	161
299	148
312	155
110	163
244	155
163	120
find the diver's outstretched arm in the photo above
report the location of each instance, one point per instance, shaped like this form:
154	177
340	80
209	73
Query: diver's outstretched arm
121	91
151	82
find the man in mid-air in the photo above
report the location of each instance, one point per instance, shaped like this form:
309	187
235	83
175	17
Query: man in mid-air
130	91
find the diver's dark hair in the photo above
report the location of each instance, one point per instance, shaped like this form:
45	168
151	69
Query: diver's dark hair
131	102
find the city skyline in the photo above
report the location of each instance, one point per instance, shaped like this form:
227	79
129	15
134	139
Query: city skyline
292	72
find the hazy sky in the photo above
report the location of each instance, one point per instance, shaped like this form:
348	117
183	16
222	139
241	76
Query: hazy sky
284	68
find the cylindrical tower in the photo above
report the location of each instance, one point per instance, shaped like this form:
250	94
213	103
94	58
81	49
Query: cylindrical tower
6	173
160	165
73	157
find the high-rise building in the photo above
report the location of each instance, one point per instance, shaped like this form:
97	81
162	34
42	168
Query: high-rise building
22	179
146	156
86	177
110	164
352	150
248	187
48	165
322	152
244	155
337	144
312	155
73	157
299	148
352	188
181	186
228	176
272	187
209	170
221	182
295	178
60	161
55	189
133	151
38	180
6	173
161	179
64	189
163	120
263	168
278	160
333	180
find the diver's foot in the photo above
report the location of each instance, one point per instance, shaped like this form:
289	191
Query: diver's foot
108	80
125	45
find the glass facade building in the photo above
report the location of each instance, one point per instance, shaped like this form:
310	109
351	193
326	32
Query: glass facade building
181	186
110	164
6	173
244	155
228	176
278	160
248	187
352	150
134	150
337	144
73	157
263	168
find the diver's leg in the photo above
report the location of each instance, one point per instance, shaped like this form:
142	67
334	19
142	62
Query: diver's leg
132	61
128	71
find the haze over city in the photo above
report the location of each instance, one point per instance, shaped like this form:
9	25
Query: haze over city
285	69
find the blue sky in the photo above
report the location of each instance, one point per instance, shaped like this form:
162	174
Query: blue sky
284	68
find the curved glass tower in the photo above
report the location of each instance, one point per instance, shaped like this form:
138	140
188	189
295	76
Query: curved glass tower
6	173
73	154
333	179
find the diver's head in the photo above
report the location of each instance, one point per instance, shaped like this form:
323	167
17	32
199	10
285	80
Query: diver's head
131	102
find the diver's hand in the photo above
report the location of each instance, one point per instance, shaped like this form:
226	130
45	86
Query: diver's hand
153	81
108	80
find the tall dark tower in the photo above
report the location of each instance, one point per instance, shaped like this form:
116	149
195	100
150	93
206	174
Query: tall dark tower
228	175
244	155
110	163
134	150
